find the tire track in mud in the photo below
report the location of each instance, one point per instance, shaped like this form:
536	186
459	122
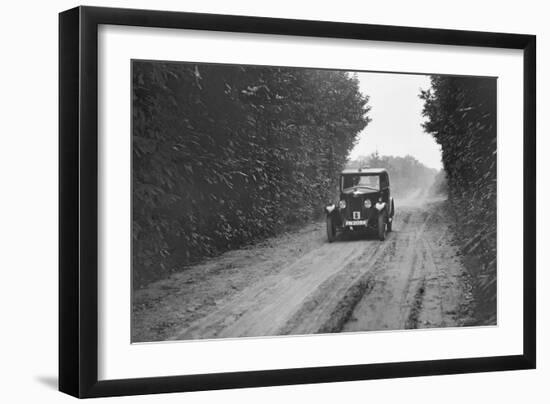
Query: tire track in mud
328	307
430	282
262	309
416	308
319	292
423	286
395	299
409	281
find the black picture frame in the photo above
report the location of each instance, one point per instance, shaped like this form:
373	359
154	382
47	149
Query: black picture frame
78	201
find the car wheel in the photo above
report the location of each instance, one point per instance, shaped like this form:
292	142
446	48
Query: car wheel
331	230
382	226
389	225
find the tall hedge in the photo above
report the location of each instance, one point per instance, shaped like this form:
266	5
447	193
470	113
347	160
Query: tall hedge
461	116
224	155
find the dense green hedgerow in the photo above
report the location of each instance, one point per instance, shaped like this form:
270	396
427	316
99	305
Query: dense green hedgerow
461	114
224	155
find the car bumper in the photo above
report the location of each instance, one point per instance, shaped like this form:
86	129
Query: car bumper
368	218
356	225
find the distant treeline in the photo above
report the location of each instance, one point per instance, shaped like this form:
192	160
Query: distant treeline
407	174
226	155
461	116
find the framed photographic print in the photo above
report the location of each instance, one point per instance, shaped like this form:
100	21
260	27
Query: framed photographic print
251	201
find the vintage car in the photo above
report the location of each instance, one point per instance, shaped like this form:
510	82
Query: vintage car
365	203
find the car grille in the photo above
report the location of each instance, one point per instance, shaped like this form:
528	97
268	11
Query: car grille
355	205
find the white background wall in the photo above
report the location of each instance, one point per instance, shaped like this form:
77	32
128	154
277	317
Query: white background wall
28	199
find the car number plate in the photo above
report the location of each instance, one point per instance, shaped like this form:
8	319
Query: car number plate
356	223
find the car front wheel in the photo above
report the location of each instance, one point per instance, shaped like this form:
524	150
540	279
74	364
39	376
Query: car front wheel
331	230
382	226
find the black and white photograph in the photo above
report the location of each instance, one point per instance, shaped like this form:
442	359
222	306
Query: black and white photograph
271	201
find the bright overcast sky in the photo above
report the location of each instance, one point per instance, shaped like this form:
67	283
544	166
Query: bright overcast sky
396	118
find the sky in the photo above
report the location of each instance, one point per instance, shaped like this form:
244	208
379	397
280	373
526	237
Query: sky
396	113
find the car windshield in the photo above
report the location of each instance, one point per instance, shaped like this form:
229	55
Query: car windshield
361	181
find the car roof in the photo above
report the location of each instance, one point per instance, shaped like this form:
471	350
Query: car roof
364	171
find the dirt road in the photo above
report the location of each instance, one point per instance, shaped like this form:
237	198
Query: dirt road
298	283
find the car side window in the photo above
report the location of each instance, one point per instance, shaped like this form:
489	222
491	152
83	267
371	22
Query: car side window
384	181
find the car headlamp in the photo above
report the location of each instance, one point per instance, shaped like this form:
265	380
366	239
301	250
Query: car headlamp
367	203
342	204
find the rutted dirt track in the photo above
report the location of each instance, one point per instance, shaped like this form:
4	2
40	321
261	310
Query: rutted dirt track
298	283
